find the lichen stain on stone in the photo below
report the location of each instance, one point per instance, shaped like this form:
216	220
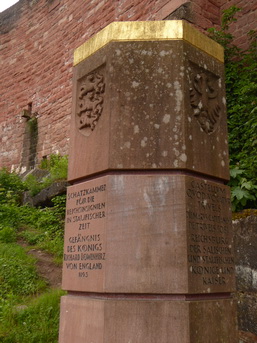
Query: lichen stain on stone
183	157
136	129
175	163
147	199
144	142
176	152
164	53
146	52
166	118
178	95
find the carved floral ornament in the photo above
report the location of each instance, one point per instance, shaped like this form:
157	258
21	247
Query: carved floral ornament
90	102
205	102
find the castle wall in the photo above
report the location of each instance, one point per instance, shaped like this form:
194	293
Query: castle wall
37	40
246	19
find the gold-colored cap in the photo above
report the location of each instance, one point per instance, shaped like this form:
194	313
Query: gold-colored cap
147	31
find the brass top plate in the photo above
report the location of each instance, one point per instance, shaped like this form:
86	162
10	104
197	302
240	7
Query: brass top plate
147	31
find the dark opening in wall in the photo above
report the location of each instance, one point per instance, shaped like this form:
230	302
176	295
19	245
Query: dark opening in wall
29	150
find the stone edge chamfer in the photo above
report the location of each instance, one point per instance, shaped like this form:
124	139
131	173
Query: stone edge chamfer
149	31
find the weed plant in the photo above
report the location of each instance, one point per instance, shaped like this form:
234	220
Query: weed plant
37	322
18	274
43	228
11	187
241	90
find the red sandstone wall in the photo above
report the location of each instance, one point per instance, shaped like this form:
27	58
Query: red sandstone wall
37	40
247	19
206	13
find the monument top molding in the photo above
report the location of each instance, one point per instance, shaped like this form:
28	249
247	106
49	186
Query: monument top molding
149	30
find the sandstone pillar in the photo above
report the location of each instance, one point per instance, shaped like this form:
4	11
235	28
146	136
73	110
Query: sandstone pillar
148	253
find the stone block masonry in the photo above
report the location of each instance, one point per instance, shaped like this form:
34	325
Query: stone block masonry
37	40
246	19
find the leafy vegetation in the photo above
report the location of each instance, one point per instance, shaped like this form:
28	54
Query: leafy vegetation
56	168
43	227
241	89
11	187
24	317
18	273
36	322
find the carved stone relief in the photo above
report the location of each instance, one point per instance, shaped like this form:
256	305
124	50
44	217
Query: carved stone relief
90	102
205	101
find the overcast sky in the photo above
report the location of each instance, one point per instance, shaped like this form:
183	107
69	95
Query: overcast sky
6	3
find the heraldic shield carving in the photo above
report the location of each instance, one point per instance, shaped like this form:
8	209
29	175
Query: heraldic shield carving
90	102
205	101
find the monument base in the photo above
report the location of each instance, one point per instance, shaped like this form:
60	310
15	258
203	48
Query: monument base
137	319
148	250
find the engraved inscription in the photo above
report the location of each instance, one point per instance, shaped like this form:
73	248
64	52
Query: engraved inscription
205	101
84	251
90	102
210	253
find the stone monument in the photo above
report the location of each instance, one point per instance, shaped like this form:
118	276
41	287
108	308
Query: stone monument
148	253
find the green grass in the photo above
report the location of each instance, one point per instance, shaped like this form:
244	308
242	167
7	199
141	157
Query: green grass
18	274
29	309
37	322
